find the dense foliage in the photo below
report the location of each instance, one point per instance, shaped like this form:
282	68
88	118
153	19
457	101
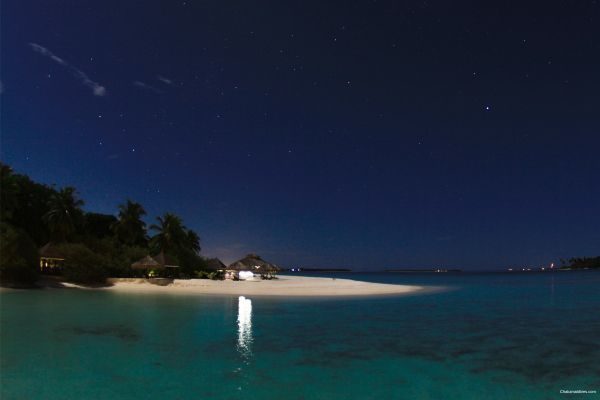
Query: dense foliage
24	204
94	245
18	256
82	265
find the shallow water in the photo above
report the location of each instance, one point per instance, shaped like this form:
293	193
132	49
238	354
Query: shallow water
488	336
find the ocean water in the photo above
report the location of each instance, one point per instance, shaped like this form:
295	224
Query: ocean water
483	336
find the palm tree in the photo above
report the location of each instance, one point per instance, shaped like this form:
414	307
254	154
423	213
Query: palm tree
193	241
64	214
171	233
130	229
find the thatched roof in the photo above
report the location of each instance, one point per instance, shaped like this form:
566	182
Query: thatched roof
254	263
165	260
147	263
159	261
215	264
50	250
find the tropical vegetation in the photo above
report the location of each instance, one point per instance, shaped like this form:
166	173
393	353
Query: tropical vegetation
581	263
94	245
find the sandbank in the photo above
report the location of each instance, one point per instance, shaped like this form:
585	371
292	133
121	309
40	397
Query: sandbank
284	286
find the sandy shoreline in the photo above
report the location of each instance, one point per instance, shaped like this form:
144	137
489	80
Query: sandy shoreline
284	286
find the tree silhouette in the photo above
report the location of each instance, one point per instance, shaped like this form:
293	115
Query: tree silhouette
130	229
170	233
64	214
193	241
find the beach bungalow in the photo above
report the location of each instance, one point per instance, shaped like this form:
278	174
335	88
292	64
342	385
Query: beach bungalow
152	265
147	263
166	260
216	265
251	266
51	258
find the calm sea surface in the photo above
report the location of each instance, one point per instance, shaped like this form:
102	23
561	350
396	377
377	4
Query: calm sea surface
488	336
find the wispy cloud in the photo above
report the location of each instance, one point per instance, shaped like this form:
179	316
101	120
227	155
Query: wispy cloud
164	80
97	89
147	87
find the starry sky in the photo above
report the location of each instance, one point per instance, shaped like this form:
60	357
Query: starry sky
362	134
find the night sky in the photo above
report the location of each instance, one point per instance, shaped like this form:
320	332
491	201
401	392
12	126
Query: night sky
364	134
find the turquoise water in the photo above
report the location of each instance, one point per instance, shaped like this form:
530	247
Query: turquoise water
488	336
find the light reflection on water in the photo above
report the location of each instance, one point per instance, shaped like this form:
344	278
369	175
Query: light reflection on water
244	327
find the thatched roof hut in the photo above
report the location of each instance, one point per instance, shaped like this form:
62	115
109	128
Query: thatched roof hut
147	263
51	258
254	263
165	260
215	264
159	261
51	251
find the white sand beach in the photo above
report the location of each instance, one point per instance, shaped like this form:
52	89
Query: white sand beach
284	286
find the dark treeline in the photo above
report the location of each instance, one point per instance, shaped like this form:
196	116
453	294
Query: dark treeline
94	245
581	263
